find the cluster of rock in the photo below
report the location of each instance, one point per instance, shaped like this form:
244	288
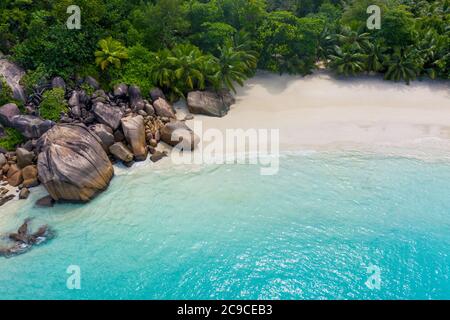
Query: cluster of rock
73	158
18	169
30	126
23	240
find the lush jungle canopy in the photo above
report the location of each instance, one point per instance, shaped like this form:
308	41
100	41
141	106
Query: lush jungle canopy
181	45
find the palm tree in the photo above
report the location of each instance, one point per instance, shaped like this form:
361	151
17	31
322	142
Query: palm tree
235	66
433	49
161	71
189	64
354	40
242	41
403	64
347	62
376	56
326	44
182	69
112	52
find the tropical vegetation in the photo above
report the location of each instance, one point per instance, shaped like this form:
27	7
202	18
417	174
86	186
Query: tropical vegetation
53	104
184	45
11	139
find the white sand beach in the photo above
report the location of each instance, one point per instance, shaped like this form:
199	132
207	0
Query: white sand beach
322	111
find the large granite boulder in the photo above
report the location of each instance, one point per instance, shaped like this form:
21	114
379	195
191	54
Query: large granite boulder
178	134
120	90
136	101
100	96
24	157
108	115
210	103
149	110
58	82
157	93
14	176
163	108
31	127
92	82
72	164
30	176
105	134
121	152
134	131
7	113
13	74
74	99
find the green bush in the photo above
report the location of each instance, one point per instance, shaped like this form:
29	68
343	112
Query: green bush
288	43
34	78
214	36
53	104
136	70
11	139
87	88
61	51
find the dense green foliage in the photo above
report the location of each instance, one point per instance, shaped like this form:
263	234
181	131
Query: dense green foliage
11	139
53	104
289	43
182	45
111	52
35	78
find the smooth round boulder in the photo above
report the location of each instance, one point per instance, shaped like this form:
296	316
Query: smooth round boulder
105	134
24	157
121	152
74	99
72	164
156	93
107	115
136	101
24	194
31	127
58	82
120	90
30	176
179	135
7	113
45	202
164	109
149	109
209	103
14	176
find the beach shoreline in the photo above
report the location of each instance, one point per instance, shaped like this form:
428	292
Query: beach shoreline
321	111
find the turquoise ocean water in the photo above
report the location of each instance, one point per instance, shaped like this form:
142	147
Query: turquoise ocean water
225	232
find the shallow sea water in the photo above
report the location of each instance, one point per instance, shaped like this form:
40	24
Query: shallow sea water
226	232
